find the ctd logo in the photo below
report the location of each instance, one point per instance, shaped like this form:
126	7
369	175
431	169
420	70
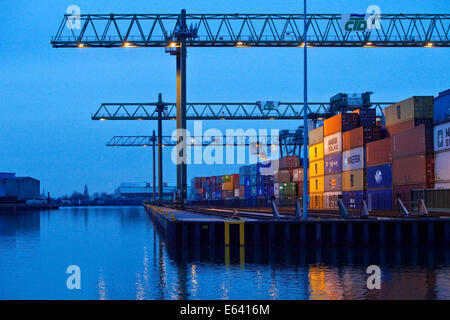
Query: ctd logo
378	177
356	22
362	22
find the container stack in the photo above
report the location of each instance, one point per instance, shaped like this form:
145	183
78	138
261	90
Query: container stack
284	185
409	123
218	187
227	186
413	161
316	168
353	160
244	182
379	175
334	127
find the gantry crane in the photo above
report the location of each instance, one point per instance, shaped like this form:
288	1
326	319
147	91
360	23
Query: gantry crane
243	30
204	141
289	143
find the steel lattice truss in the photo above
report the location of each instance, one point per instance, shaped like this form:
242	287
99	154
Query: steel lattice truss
168	141
219	111
251	30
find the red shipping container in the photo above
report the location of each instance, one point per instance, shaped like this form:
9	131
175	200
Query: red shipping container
378	152
236	181
401	127
359	136
288	162
410	142
414	170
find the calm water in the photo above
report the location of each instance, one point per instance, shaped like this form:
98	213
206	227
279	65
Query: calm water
122	256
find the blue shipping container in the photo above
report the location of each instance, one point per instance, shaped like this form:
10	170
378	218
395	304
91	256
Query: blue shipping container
379	176
254	169
248	192
247	182
260	191
379	199
441	107
218	195
353	199
268	190
241	180
253	180
333	163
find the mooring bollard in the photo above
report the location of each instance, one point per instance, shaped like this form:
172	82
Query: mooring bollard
298	210
364	211
342	210
276	214
401	207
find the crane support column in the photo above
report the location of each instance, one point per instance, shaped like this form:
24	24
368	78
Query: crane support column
154	165
305	121
181	113
160	107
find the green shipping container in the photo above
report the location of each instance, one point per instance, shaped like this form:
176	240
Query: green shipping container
287	188
226	178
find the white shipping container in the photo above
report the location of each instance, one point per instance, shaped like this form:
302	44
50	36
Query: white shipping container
236	193
353	159
331	199
442	137
268	168
276	189
442	185
297	175
442	166
332	143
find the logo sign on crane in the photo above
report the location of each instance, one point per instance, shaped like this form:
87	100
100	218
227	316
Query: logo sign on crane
362	22
268	105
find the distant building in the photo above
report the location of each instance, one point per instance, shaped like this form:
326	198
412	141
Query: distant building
22	188
4	177
144	190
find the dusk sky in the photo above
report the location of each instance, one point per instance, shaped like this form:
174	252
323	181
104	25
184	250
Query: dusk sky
48	95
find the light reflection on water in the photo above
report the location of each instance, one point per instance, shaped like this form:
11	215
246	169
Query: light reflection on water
122	256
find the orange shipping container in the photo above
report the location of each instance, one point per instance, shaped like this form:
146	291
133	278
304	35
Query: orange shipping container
332	125
340	123
316	200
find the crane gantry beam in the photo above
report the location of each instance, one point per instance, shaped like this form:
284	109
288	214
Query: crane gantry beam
168	141
250	30
219	111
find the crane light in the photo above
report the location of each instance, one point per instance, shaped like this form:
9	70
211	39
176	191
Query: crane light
80	45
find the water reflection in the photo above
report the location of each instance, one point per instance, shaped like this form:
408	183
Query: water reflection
123	256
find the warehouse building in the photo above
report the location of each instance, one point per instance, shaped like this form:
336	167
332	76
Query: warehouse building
21	188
